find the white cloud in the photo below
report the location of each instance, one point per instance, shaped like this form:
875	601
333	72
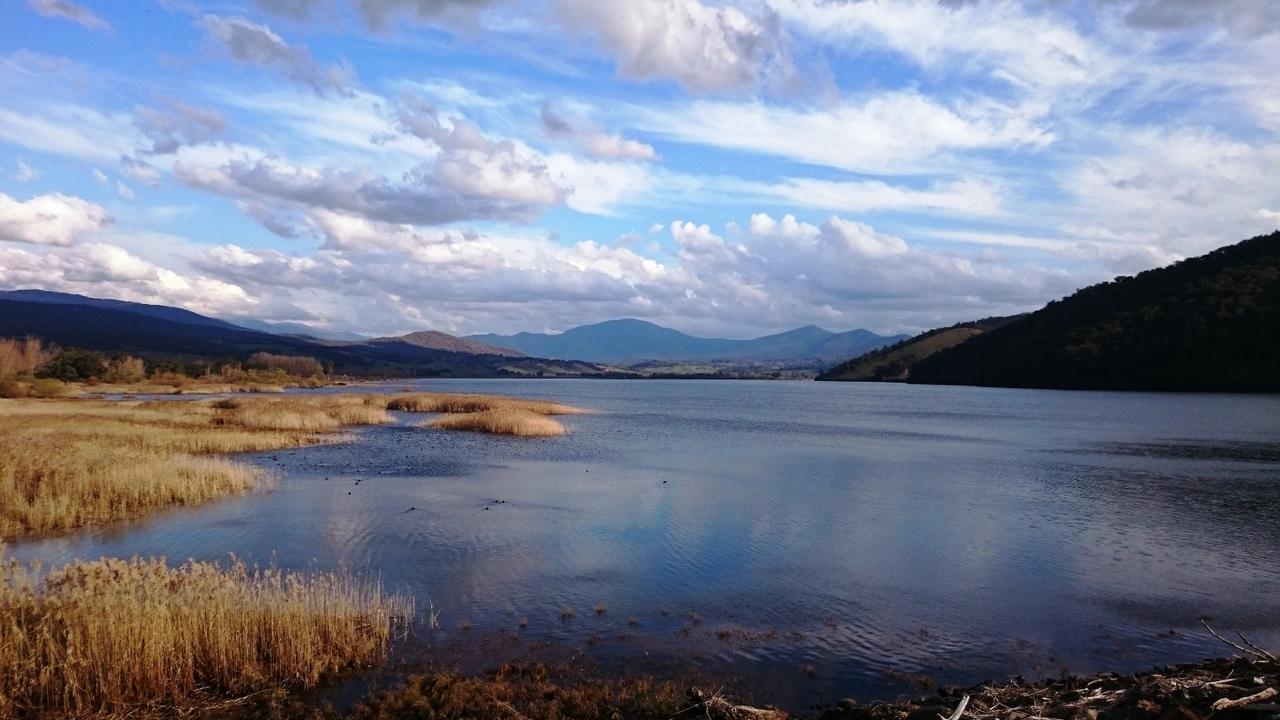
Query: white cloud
772	274
53	219
599	145
1184	191
25	172
1005	40
108	270
257	44
67	129
703	47
67	10
961	197
178	124
886	133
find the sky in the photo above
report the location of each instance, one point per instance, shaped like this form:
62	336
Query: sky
724	168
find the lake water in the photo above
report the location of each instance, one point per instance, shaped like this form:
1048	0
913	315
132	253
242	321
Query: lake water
806	541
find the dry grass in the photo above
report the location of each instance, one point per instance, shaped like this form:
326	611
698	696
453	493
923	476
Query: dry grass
520	423
494	414
123	638
67	464
458	403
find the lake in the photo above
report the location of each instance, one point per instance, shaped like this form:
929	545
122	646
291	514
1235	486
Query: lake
804	541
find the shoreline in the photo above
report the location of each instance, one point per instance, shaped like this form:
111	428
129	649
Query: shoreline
1229	687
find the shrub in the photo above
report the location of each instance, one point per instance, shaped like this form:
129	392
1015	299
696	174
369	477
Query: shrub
48	388
125	369
295	365
75	364
24	356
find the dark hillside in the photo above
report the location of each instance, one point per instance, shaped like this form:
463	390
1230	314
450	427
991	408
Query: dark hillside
1210	323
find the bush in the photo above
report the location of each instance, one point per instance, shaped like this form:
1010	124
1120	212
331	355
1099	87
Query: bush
75	364
48	388
125	369
295	365
24	357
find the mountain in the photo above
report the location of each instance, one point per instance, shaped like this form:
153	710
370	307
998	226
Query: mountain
160	312
895	362
1211	323
633	341
294	328
145	330
436	340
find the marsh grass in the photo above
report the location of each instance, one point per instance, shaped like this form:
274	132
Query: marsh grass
460	403
68	464
520	423
493	414
128	637
72	463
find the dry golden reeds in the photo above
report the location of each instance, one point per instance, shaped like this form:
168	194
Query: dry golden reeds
502	421
68	464
459	403
117	637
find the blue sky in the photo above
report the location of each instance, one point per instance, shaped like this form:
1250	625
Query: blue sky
726	168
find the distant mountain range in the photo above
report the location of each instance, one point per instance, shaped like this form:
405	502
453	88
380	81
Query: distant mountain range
634	341
442	341
1209	324
616	348
160	331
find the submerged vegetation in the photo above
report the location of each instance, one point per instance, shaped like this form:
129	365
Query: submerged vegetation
71	463
117	637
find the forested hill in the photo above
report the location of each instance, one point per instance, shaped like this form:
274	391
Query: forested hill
1211	323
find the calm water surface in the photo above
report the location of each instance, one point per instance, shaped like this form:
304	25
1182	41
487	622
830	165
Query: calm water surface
809	540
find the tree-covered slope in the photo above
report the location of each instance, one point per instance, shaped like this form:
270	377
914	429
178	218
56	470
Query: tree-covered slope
895	362
1210	323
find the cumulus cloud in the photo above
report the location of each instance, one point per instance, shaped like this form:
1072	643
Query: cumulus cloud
67	10
177	124
702	47
256	44
106	270
53	219
464	187
768	274
597	144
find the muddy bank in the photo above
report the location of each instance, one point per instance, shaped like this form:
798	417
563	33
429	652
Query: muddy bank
1225	688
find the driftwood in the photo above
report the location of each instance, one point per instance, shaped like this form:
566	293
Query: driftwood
964	703
715	707
1229	704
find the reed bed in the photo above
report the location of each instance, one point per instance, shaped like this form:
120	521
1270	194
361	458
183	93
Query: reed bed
459	403
136	637
66	464
501	421
70	463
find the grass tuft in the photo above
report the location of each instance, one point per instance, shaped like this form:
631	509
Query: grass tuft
520	423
